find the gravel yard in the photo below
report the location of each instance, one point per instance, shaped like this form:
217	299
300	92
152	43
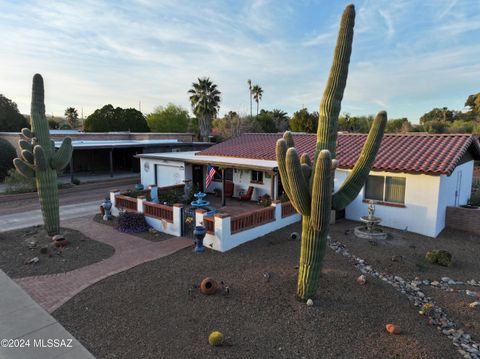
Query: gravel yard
23	245
154	310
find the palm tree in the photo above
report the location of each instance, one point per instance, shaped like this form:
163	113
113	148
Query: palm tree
205	100
250	91
257	94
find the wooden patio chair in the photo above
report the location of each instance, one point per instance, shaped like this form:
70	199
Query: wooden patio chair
229	186
248	195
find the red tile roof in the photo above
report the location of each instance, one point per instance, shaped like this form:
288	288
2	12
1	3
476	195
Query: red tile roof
412	153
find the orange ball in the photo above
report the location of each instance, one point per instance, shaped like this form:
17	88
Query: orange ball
393	329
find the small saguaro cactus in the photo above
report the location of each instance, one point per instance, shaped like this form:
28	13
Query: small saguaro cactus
39	159
310	185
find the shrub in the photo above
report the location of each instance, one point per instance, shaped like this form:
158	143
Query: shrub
439	256
16	183
76	181
170	197
134	193
265	200
283	198
132	222
7	154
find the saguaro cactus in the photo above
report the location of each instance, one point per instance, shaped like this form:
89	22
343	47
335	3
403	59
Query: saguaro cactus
310	186
40	160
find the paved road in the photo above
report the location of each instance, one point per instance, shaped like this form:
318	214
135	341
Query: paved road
13	221
83	195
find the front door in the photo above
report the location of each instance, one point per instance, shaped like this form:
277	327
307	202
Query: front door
197	177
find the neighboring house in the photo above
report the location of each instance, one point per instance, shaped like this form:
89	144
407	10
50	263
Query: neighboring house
98	152
413	179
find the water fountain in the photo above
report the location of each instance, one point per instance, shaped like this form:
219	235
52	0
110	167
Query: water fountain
199	202
369	229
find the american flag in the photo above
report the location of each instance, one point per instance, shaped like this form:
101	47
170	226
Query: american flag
210	173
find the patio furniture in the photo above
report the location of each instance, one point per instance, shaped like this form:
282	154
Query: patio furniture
248	195
229	189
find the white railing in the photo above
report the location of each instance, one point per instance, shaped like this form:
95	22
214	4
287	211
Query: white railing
225	232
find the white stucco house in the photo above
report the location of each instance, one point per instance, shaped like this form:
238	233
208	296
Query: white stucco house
413	179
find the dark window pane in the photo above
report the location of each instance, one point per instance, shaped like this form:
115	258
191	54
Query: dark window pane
395	189
374	188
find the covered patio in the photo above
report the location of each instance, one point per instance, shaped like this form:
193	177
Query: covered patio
234	177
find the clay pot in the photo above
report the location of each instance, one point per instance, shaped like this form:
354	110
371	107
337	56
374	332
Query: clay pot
208	286
102	210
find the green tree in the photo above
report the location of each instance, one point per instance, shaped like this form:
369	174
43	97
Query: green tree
109	119
205	100
473	101
7	154
11	120
397	125
438	114
281	120
266	121
303	121
355	124
436	126
230	125
71	115
171	118
461	126
257	93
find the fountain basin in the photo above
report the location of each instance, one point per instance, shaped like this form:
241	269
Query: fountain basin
375	234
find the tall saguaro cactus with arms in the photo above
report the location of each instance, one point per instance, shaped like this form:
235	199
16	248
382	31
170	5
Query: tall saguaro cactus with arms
310	185
39	159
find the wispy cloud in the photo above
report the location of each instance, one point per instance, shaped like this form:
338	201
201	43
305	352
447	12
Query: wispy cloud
92	53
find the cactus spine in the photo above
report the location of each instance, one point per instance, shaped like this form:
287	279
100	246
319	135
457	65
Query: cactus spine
310	186
39	159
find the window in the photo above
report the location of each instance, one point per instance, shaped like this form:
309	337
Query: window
218	174
385	189
257	177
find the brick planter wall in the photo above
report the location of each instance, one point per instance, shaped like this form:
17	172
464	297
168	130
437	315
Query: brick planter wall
464	219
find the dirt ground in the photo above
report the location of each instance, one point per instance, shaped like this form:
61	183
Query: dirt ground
158	313
21	245
410	250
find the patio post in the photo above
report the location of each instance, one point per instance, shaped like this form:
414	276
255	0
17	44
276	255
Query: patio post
111	162
223	187
71	168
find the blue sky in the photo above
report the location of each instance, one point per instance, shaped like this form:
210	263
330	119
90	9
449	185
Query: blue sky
408	56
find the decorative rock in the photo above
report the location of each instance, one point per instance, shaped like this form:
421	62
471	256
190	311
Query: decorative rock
435	283
32	260
474	304
362	280
309	303
58	238
471	293
397	258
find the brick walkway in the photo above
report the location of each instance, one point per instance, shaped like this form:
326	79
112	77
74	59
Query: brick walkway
53	290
